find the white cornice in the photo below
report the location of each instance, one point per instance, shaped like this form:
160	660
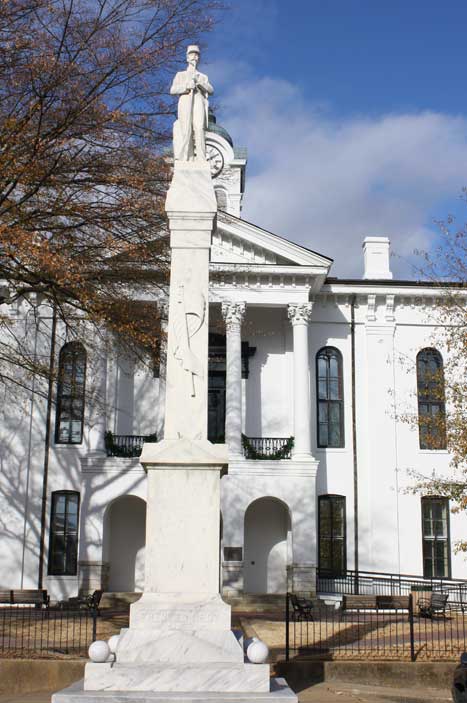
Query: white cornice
405	290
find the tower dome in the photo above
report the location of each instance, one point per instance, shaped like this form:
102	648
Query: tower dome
217	129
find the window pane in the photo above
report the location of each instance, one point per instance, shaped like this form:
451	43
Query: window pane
322	389
323	435
334	436
334	412
323	412
322	367
334	389
334	367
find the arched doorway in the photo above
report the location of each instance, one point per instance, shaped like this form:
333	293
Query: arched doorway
267	523
124	543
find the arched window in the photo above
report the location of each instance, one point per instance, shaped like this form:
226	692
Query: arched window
330	398
70	394
332	535
63	544
430	392
221	197
435	533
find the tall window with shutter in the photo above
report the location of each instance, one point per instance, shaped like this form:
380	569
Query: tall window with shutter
332	535
431	405
63	543
330	398
435	530
70	394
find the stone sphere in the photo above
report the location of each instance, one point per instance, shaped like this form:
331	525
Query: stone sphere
257	651
99	651
113	642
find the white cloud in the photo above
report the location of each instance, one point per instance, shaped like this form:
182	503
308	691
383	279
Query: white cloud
326	182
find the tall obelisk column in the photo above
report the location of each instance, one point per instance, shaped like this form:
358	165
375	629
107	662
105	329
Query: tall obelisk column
179	639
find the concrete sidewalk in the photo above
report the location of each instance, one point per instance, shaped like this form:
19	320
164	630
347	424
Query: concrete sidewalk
335	692
332	692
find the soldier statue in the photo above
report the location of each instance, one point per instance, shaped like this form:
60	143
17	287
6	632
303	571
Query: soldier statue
193	88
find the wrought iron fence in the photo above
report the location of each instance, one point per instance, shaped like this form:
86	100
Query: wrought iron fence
272	448
29	631
126	445
387	584
324	631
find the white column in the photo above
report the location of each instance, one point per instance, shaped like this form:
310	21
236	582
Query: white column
299	315
99	407
233	314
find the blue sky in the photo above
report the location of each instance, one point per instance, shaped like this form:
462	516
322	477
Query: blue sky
355	117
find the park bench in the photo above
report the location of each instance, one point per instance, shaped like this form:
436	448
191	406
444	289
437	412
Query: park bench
90	601
392	602
436	603
32	596
351	602
301	608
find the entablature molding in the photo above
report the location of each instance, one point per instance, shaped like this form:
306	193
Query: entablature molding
266	276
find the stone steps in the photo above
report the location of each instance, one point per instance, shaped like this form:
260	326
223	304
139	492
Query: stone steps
246	603
119	599
256	603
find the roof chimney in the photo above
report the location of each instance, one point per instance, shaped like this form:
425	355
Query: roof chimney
376	258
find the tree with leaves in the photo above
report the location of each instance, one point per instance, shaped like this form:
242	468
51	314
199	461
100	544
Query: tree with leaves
442	382
85	121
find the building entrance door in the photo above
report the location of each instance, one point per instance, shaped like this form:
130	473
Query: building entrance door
267	522
124	543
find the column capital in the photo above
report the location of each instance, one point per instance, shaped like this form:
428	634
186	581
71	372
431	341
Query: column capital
233	314
299	313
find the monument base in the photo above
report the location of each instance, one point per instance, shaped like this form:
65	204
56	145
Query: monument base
279	693
206	677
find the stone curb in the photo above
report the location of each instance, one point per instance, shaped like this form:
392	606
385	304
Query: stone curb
302	674
35	675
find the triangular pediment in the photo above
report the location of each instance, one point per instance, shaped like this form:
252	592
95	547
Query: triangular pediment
236	241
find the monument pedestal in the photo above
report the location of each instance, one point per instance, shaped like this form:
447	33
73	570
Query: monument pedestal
179	638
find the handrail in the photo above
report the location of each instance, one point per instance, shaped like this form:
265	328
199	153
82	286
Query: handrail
385	583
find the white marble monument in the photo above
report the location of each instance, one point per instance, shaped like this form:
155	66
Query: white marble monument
179	642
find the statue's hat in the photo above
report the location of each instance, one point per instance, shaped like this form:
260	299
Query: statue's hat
193	48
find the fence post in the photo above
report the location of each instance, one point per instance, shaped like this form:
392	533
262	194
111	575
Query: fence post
412	637
287	619
94	624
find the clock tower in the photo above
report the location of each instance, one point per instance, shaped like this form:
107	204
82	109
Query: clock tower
228	164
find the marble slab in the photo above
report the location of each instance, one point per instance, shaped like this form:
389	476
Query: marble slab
180	611
184	452
147	646
214	678
279	692
191	189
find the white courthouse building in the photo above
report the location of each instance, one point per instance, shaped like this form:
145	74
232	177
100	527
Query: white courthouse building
308	377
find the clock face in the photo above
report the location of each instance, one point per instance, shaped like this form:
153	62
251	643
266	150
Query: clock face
215	159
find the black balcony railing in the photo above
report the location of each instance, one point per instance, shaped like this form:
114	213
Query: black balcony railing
267	448
126	445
